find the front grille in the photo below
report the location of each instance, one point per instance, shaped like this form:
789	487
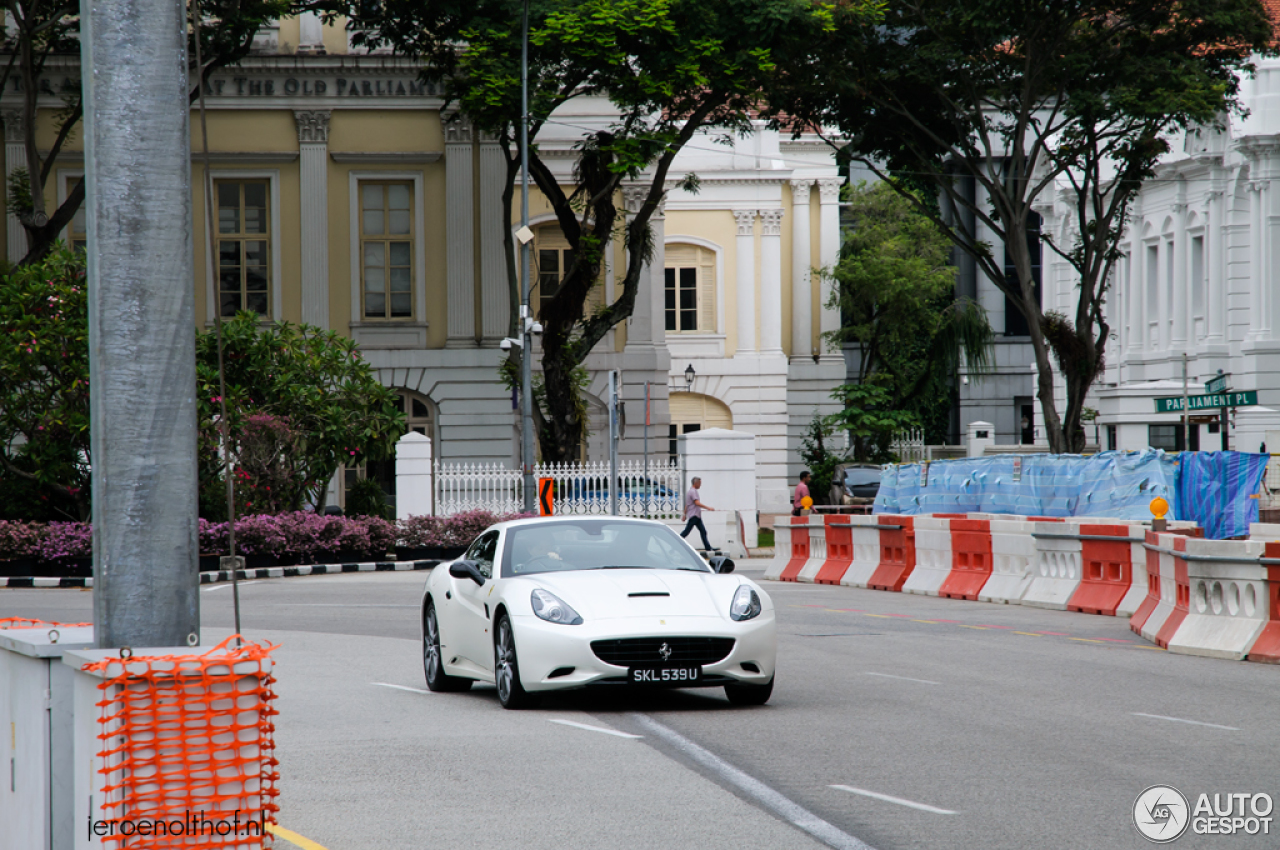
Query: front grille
631	652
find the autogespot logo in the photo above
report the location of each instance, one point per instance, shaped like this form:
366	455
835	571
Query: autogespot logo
1160	813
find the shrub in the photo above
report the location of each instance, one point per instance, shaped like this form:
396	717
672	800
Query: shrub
20	539
63	540
365	498
451	531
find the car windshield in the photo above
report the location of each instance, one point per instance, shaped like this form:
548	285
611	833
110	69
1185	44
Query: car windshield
595	544
854	477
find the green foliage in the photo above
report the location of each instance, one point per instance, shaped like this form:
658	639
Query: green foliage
871	417
820	459
1080	93
894	287
44	383
670	68
19	198
365	498
311	379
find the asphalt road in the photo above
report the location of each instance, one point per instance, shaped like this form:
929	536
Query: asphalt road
897	722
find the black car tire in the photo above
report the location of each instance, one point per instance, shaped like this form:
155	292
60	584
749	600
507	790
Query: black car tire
749	694
506	668
433	661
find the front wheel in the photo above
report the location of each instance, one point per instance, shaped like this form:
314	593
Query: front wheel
749	694
432	660
506	669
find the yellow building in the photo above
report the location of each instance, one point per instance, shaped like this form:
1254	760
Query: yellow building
345	198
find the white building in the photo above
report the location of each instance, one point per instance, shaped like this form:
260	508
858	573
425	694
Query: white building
1200	278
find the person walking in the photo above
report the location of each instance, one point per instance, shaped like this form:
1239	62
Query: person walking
693	509
802	493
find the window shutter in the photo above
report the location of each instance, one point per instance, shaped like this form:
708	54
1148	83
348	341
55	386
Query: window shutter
707	293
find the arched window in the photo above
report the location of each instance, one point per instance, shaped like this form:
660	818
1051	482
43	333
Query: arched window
690	272
420	416
692	412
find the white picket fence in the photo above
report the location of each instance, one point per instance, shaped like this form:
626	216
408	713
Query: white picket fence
909	446
580	489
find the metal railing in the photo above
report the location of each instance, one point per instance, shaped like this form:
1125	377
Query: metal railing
579	489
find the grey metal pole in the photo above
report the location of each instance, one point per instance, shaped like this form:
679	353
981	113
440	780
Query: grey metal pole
646	450
613	442
137	141
526	318
1186	410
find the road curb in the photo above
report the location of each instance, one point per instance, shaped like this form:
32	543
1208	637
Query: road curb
221	576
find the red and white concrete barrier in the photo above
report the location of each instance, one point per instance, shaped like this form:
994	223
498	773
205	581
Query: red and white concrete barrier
1057	566
933	555
1267	647
1013	558
865	537
971	560
839	536
817	549
799	548
781	550
897	552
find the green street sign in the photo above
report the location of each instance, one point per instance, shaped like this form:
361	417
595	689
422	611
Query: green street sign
1216	386
1207	402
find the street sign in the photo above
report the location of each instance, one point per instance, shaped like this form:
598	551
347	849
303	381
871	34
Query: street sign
1216	386
546	496
1207	402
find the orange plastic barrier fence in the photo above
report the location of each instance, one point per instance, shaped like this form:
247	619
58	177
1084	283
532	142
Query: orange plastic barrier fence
188	744
24	623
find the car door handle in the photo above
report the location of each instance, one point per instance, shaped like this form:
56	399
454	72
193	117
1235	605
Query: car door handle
486	610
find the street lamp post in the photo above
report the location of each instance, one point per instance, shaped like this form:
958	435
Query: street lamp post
526	320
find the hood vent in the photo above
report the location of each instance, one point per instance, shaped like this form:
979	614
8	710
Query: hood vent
650	593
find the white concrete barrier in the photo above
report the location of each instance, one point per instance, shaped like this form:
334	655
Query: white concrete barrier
1057	566
1162	574
1229	599
933	556
866	550
781	548
817	549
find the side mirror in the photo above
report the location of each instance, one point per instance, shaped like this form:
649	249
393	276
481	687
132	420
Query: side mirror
721	564
466	569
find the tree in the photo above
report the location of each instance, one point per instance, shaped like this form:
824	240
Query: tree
895	289
1021	97
39	29
671	68
44	380
300	402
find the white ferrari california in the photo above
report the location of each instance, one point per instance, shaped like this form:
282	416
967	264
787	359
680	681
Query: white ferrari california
538	605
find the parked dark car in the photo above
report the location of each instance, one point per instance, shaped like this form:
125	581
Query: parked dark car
861	481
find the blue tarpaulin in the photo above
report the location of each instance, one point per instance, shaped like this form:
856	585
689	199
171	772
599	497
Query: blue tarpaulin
1110	484
1217	489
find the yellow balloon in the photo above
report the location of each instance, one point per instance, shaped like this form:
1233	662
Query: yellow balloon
806	503
1159	507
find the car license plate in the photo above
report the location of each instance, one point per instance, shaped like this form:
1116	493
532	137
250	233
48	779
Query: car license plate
664	675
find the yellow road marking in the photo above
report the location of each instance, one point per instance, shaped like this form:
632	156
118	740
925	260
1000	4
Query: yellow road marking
984	628
881	616
1087	640
935	622
293	837
1156	648
1029	634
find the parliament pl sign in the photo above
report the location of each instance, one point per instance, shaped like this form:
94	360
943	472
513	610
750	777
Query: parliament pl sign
1207	402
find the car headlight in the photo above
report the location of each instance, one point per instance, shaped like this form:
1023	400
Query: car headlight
553	609
745	605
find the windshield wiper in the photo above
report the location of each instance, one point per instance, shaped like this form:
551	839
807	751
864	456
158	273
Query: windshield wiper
624	567
693	569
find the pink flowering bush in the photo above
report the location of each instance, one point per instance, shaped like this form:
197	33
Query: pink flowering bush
451	531
63	540
20	539
301	536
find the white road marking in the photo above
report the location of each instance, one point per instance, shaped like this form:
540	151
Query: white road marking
767	797
596	729
903	678
400	687
1180	720
911	804
224	585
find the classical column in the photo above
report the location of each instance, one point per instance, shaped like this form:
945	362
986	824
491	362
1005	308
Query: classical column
15	157
1257	258
657	293
746	282
310	34
801	268
828	256
771	282
1179	288
1215	301
1135	280
313	171
495	289
460	259
648	314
